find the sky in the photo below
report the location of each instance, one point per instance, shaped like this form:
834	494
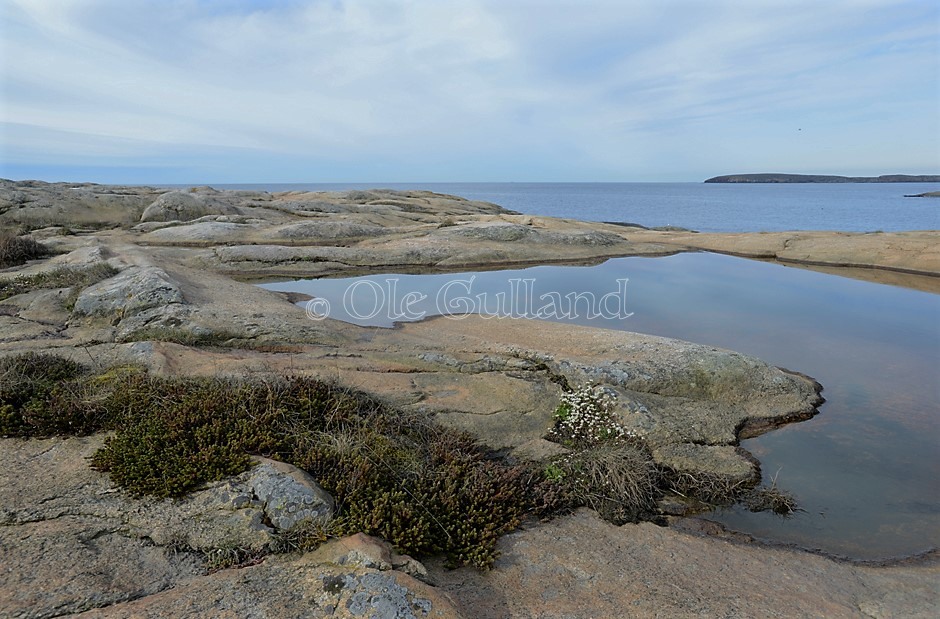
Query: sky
278	91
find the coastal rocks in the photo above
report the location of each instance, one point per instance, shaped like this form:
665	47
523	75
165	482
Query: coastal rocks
505	232
916	252
45	307
579	566
186	206
139	300
504	411
385	200
199	233
151	226
325	231
38	204
72	543
590	238
132	291
706	470
174	205
138	303
72	564
64	535
678	397
243	512
289	495
13	328
499	232
289	587
362	550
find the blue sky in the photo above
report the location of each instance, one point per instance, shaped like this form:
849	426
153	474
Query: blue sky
200	91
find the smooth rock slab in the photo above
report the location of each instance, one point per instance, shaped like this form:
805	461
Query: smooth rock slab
133	290
291	587
175	205
580	567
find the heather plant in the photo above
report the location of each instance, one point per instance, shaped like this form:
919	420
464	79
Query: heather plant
396	474
399	475
30	386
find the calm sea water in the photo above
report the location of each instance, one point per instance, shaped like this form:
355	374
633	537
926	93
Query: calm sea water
866	470
855	207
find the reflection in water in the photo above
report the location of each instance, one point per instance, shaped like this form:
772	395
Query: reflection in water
867	469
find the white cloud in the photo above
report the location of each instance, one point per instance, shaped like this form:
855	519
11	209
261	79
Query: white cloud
608	86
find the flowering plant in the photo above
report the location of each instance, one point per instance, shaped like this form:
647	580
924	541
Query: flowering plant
585	417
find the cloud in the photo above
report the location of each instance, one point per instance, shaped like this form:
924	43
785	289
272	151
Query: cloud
473	90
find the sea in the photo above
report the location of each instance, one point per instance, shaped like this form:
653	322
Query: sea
705	207
866	470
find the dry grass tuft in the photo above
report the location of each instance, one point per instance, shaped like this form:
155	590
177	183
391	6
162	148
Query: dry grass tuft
617	479
62	277
708	488
16	250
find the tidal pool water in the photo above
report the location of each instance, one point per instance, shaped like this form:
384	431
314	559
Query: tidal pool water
866	470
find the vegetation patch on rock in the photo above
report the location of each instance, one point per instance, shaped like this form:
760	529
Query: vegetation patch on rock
401	476
610	469
76	278
16	250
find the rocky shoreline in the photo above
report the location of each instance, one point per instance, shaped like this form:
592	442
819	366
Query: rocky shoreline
178	304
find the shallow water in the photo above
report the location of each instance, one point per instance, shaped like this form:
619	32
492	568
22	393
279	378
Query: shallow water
866	470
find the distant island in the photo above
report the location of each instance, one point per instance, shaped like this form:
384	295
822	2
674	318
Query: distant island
819	178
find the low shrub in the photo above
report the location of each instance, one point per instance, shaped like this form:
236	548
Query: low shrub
420	486
399	475
175	434
306	535
217	559
31	387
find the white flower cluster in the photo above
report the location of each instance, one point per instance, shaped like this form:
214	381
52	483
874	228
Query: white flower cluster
585	415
